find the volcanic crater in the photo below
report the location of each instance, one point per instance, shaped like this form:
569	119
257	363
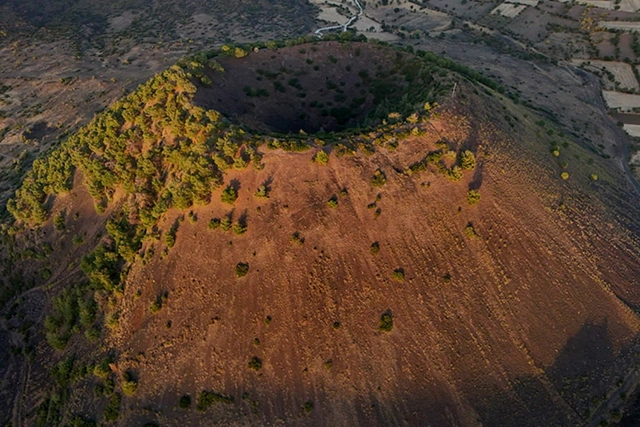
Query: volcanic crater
316	87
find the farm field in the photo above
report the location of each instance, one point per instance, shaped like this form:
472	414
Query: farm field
622	72
624	102
620	25
508	10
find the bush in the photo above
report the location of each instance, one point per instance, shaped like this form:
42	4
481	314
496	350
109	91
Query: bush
214	224
170	238
225	223
242	269
185	401
594	177
467	160
375	248
386	322
239	228
473	197
155	306
454	174
378	179
295	238
229	195
564	175
102	369
58	221
255	363
308	406
129	384
262	192
208	398
470	231
321	158
332	202
398	274
112	411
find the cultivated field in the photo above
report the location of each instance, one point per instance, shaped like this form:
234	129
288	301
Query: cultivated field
525	2
602	4
508	9
622	72
620	25
630	5
633	130
622	101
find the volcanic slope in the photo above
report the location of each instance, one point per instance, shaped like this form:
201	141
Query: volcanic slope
465	264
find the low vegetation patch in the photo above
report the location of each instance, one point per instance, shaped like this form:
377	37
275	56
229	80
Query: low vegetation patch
242	269
386	322
255	363
207	398
473	197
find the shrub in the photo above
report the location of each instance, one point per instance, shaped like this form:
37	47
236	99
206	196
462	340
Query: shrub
386	322
262	192
473	197
102	369
467	160
308	406
229	195
92	333
155	306
185	401
398	274
297	239
239	228
208	398
242	269
470	231
255	363
170	238
564	175
58	221
375	248
321	158
594	177
129	384
332	202
225	223
112	411
454	174
378	179
214	224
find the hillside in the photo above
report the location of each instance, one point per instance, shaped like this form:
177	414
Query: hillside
218	248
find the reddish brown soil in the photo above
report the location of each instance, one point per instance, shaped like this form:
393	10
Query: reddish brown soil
533	326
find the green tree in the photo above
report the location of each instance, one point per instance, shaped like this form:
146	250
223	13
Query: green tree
467	160
229	195
473	197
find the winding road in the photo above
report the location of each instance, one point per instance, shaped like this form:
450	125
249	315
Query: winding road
345	26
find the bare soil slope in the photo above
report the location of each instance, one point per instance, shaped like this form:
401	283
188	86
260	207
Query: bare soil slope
526	324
